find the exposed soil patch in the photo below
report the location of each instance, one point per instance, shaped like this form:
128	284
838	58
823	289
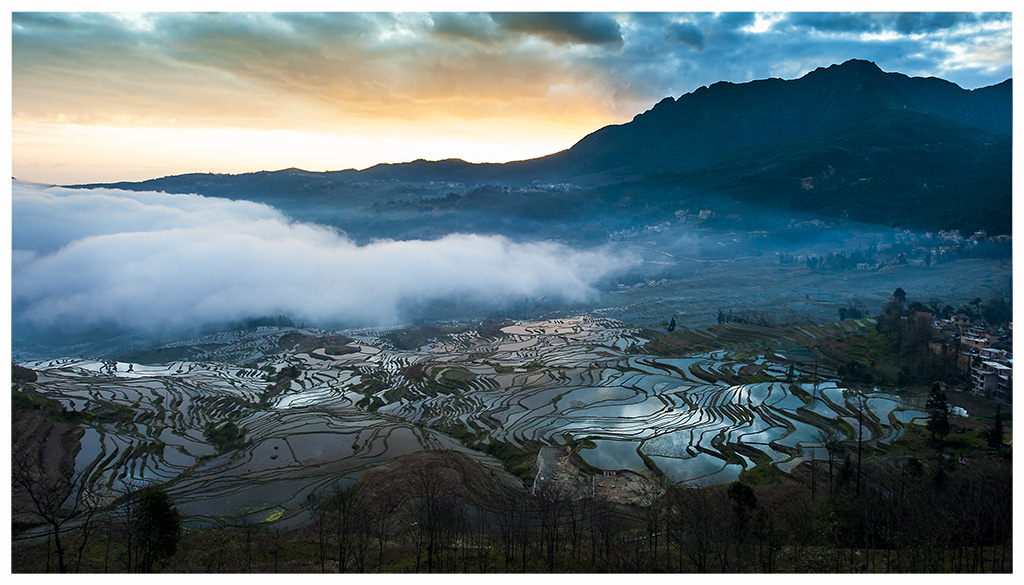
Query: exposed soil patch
559	474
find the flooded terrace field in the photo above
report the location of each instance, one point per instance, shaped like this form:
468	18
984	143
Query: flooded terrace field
578	381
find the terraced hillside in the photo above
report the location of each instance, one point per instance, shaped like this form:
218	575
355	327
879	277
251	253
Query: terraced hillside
300	416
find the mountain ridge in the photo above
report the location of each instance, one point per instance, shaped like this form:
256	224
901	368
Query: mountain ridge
921	140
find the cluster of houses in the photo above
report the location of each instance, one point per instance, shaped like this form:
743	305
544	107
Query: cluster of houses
930	248
983	351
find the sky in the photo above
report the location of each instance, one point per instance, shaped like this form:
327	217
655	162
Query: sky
110	96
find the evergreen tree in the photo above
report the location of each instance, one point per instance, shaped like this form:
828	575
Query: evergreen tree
744	503
158	524
672	325
938	412
995	436
900	295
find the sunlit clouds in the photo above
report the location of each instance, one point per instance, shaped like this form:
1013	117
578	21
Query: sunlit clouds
108	97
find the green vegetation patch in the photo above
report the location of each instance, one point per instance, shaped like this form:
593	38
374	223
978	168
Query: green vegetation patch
304	343
281	381
721	336
224	437
519	462
491	328
22	375
416	337
29	400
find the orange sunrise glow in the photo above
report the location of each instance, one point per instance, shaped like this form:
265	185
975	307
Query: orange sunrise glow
101	96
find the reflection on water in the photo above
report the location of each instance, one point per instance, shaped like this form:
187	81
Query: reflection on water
548	382
701	469
91	448
614	455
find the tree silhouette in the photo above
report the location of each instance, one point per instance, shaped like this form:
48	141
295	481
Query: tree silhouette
995	435
158	525
48	491
900	295
744	503
833	444
938	412
434	510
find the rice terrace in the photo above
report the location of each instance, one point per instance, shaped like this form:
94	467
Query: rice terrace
545	383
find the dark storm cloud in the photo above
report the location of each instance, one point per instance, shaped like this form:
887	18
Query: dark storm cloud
563	27
353	58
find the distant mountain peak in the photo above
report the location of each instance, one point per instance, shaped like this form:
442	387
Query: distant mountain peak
858	64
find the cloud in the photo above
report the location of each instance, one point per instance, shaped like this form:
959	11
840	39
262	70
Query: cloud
837	21
563	27
476	27
931	22
316	71
154	262
686	33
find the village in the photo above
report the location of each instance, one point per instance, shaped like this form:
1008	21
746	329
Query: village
983	350
910	248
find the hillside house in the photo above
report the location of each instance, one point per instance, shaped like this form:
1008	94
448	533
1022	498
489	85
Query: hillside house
961	321
975	341
993	380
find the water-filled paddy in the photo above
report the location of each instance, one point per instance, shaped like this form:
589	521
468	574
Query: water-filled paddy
576	378
701	469
614	455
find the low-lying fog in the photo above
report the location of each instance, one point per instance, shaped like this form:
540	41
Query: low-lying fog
157	262
156	265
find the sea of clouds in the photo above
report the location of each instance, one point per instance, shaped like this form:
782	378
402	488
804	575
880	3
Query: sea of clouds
158	262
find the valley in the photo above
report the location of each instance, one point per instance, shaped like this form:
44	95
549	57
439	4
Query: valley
756	290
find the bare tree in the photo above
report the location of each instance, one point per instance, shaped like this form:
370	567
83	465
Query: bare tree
510	514
47	492
92	497
433	511
271	545
649	500
343	520
832	441
702	526
551	502
316	506
382	521
122	519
